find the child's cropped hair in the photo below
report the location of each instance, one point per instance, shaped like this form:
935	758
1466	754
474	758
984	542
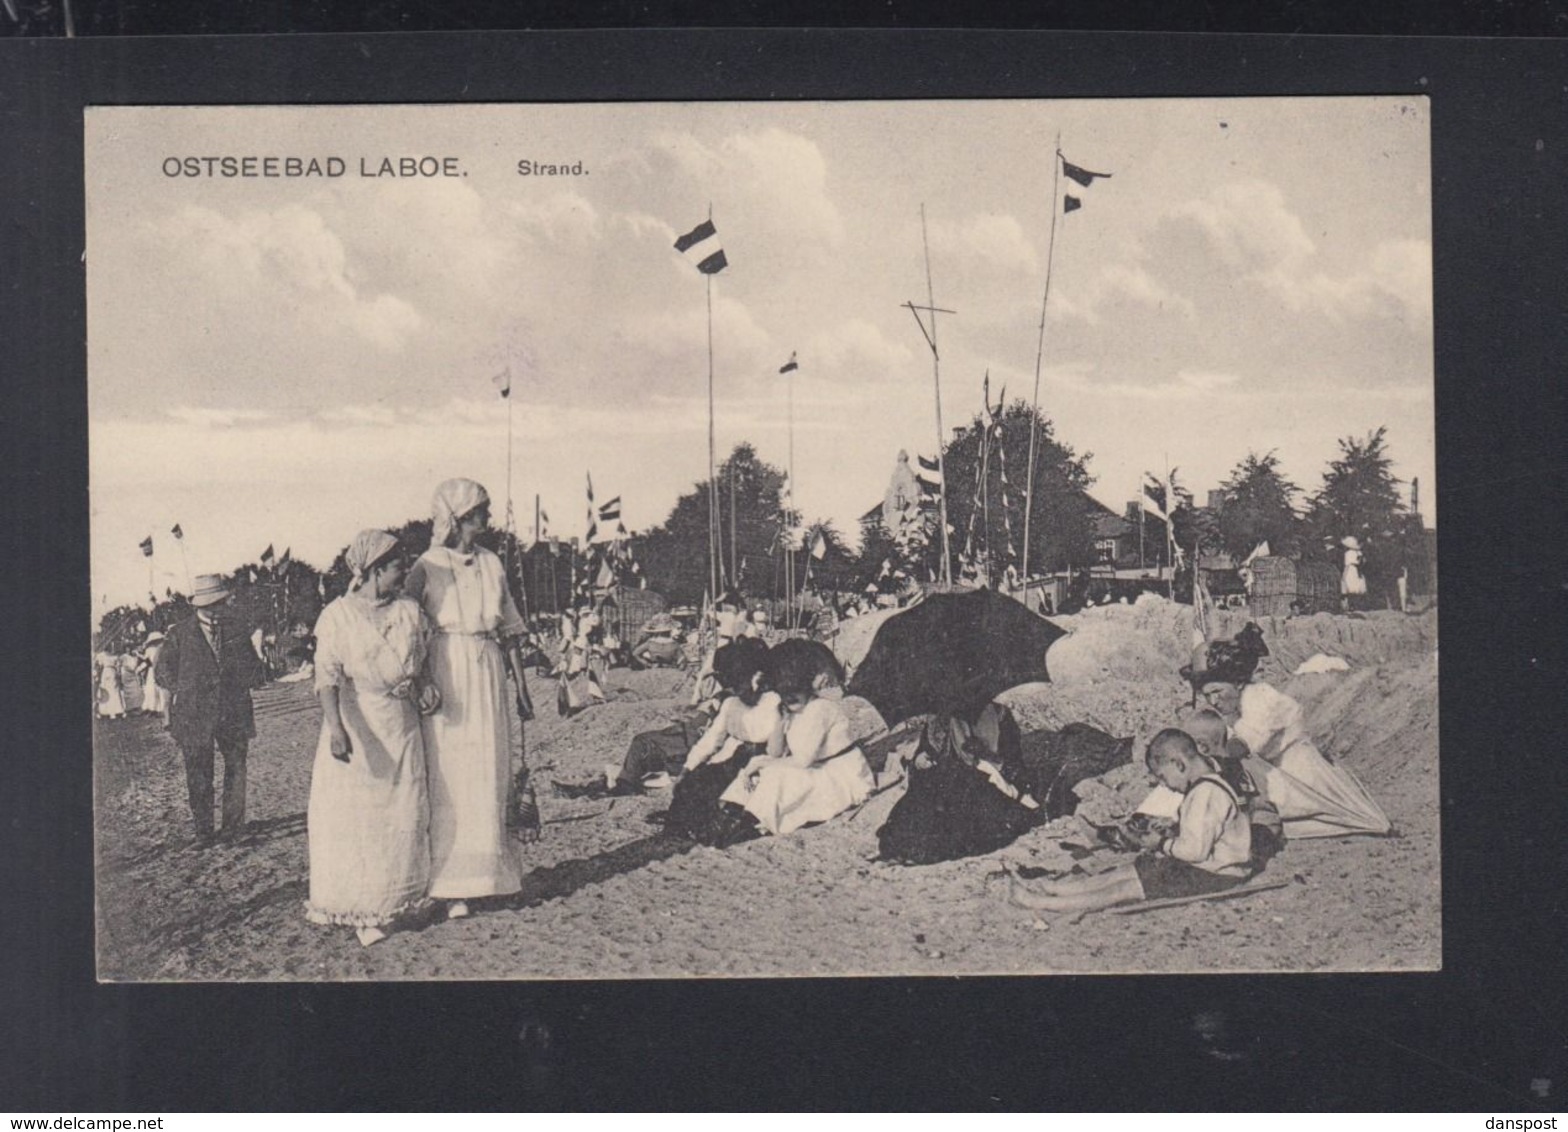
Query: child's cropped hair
1171	743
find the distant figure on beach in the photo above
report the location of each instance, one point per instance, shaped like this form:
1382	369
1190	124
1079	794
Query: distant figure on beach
111	693
582	669
1352	584
463	591
1209	852
154	700
208	668
368	822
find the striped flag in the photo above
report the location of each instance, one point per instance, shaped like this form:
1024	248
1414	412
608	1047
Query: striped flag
709	255
176	532
593	514
790	366
610	512
503	382
267	555
146	545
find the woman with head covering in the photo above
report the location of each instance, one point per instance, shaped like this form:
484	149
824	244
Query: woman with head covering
1315	796
155	701
463	590
368	819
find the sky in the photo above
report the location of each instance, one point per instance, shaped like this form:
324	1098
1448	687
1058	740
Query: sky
288	360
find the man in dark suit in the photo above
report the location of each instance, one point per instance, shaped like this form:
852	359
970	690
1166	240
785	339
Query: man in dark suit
208	666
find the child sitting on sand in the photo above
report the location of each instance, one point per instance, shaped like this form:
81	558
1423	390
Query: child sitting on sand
1246	774
1211	850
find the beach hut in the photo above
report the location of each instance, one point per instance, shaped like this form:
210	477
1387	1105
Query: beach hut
1278	582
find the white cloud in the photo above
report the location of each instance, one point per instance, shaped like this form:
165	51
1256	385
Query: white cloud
284	259
1397	280
782	177
992	243
856	348
373	415
1249	227
217	418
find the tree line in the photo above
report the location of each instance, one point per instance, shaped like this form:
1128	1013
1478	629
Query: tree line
986	464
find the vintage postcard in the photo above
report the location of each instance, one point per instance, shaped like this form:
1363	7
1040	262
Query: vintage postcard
585	541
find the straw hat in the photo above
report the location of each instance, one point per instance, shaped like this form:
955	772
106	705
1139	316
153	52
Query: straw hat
209	590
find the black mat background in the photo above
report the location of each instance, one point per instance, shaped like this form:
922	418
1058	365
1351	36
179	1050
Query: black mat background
1472	1037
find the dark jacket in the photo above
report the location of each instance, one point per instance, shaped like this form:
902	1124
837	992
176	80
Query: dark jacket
210	694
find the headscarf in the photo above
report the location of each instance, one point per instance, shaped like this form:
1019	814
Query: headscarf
368	548
454	499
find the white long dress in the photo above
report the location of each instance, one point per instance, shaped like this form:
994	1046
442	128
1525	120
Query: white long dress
111	697
368	818
1315	797
824	775
467	742
154	698
1351	581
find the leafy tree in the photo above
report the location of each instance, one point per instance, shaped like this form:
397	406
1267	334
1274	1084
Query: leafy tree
836	569
1059	528
1360	497
675	554
1258	505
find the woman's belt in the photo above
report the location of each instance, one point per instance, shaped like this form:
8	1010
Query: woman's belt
483	635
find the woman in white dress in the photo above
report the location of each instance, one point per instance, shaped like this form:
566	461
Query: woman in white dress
463	591
1315	796
813	770
368	818
1352	583
155	701
111	695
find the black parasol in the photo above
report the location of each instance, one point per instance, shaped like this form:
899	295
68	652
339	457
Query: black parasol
953	652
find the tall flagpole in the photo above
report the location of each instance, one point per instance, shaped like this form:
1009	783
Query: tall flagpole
1034	415
186	562
946	573
789	571
713	485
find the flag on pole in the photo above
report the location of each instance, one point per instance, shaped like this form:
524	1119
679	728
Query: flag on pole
705	238
503	382
176	532
791	365
611	511
288	556
593	514
146	545
819	547
1082	176
1155	496
253	578
267	555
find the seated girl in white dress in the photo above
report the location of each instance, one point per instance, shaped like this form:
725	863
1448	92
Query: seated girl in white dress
813	770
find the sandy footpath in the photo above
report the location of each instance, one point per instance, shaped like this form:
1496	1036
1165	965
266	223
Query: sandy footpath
607	895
